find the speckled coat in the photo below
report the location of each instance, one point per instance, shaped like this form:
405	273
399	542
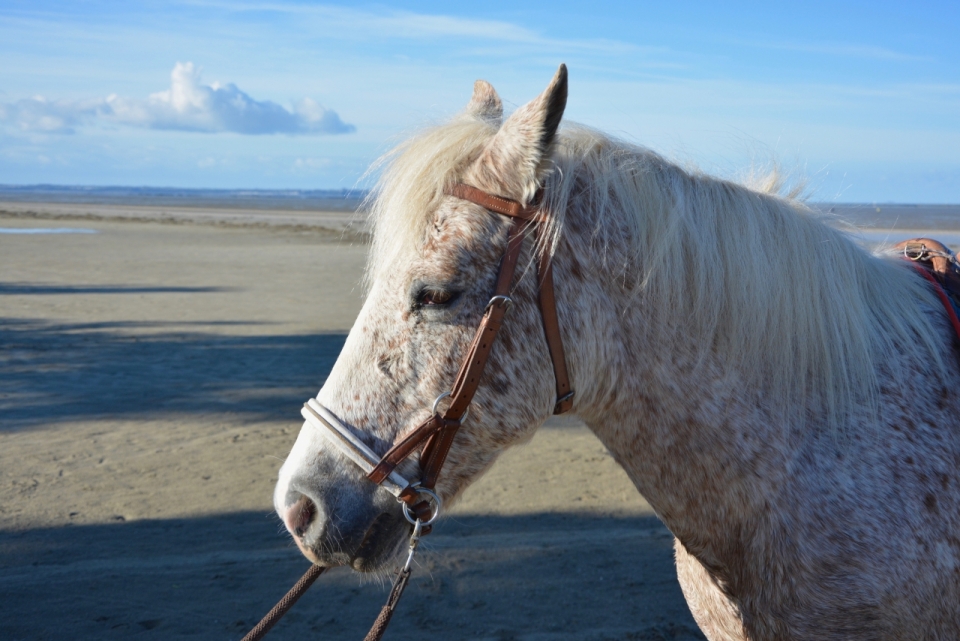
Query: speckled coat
793	519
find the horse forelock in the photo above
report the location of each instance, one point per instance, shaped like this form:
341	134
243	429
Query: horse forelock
415	176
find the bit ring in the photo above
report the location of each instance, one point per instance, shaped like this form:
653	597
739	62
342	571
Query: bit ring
410	516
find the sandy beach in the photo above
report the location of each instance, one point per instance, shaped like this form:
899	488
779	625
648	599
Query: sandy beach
151	374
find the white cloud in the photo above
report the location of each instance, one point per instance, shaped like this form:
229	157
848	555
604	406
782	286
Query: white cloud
50	116
188	105
384	23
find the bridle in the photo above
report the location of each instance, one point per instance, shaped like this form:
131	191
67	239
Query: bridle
436	434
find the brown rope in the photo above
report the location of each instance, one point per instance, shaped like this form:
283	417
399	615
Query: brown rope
291	597
285	604
386	613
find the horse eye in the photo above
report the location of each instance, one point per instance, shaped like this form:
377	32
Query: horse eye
430	297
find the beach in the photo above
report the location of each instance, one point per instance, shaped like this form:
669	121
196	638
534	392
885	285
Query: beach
154	360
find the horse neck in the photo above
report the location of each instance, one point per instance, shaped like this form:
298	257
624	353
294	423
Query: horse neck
682	425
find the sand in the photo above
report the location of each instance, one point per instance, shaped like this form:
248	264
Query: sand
151	376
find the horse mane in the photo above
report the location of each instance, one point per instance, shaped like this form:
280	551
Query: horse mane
758	277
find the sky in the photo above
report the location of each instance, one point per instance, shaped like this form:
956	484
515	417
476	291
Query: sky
859	100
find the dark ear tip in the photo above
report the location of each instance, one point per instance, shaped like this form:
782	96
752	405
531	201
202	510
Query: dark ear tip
560	78
560	83
556	103
558	96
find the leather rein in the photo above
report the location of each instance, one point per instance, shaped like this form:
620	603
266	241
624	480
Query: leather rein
436	434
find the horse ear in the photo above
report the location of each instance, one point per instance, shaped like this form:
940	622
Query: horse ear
485	103
516	159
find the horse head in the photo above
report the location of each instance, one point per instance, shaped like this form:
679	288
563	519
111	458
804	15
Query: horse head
433	265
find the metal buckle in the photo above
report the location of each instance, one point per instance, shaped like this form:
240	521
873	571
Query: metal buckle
563	399
915	252
414	541
507	301
436	404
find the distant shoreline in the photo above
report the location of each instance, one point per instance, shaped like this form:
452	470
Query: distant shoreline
342	224
252	199
336	211
319	199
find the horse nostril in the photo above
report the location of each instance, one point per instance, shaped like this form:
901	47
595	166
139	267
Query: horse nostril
300	515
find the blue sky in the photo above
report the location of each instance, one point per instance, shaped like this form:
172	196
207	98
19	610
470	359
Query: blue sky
863	99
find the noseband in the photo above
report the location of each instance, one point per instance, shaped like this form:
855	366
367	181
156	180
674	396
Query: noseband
436	434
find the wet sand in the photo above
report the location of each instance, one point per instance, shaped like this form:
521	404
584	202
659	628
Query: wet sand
335	224
151	376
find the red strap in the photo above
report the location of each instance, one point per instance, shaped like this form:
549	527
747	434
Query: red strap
943	297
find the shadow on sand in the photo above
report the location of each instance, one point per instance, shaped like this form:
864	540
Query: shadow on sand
22	289
543	576
67	372
546	576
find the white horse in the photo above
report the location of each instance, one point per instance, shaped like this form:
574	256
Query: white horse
786	402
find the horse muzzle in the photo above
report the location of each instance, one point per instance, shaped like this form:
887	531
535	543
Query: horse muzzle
335	515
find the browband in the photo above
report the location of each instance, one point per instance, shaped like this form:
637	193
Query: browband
497	204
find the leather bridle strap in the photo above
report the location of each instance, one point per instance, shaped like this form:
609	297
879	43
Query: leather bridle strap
545	291
942	295
438	431
551	329
497	204
468	378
